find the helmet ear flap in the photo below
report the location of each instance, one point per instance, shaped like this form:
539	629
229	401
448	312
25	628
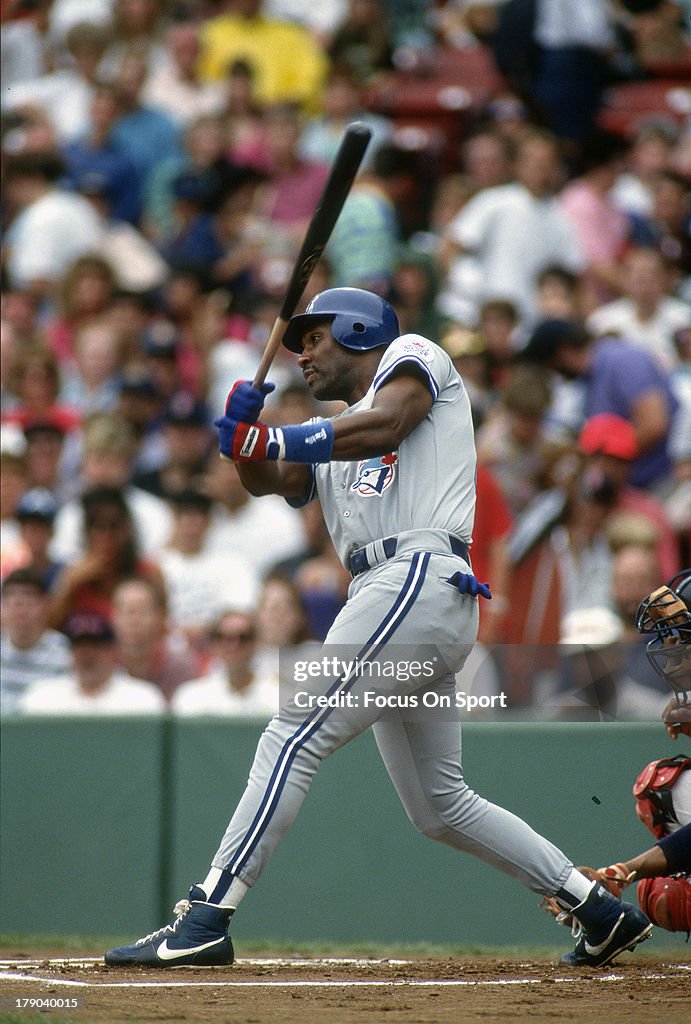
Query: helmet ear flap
354	332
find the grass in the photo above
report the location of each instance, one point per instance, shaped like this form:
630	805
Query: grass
91	944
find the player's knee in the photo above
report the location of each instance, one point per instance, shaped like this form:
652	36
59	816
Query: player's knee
431	828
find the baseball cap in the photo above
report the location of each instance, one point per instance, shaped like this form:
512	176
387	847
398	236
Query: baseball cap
88	626
25	577
184	409
53	421
160	340
37	503
191	187
190	498
609	434
93	183
134	381
590	628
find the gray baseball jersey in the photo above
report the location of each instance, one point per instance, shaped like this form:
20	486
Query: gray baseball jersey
428	483
418	493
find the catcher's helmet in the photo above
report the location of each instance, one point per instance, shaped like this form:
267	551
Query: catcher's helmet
667	614
359	320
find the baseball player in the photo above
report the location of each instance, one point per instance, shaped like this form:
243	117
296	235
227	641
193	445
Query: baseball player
395	476
663	789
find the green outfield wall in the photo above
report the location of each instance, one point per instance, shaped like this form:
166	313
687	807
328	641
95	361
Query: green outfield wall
106	823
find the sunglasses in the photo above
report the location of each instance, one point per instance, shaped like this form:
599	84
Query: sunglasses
238	638
109	525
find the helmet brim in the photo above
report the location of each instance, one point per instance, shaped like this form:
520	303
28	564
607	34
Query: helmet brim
299	325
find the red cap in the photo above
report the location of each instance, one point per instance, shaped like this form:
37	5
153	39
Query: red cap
608	434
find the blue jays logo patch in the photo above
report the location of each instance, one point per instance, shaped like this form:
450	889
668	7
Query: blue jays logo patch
374	476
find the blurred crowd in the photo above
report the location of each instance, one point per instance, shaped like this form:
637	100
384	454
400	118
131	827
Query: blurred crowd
161	160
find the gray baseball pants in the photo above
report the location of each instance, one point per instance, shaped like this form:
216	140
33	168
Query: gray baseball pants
405	601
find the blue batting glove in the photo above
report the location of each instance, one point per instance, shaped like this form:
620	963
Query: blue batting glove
466	583
245	402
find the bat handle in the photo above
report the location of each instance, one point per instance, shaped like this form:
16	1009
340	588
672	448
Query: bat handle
272	347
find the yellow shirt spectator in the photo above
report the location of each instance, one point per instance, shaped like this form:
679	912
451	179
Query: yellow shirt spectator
287	61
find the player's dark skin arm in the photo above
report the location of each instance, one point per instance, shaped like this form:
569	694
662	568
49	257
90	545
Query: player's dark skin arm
398	407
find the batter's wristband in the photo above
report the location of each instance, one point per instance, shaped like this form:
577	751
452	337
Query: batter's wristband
307	442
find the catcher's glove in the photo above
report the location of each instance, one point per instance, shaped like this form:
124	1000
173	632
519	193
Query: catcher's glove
667	902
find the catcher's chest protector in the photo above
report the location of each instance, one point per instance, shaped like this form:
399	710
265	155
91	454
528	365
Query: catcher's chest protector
667	902
653	792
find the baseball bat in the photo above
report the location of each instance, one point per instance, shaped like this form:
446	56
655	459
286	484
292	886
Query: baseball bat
326	213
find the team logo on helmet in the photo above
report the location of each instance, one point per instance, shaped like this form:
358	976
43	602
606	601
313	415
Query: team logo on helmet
374	476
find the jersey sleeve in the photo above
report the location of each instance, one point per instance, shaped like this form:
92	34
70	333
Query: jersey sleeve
424	355
677	849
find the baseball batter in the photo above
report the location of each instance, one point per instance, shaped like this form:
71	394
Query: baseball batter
395	476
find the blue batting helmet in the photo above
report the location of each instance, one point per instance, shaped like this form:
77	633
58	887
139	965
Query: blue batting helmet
359	320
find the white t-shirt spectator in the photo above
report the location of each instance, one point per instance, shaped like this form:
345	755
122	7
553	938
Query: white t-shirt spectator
22	53
262	532
122	695
232	360
65	14
200	587
325	16
655	335
508	236
182	101
49	235
211	695
153	523
64	96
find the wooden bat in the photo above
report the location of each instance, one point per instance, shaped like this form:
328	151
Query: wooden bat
335	192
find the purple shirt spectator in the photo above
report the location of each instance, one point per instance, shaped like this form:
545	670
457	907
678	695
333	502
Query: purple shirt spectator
620	374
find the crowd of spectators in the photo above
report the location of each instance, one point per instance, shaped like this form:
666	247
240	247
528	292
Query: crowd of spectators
161	161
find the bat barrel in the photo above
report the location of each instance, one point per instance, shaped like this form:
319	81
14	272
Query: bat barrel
334	194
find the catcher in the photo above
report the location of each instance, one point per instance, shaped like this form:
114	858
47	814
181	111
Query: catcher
663	789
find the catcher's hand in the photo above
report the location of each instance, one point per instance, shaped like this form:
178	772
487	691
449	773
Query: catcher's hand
677	718
615	878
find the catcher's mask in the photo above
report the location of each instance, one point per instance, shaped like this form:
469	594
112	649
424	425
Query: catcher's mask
667	614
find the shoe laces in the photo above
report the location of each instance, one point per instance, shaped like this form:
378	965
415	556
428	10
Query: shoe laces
181	910
567	918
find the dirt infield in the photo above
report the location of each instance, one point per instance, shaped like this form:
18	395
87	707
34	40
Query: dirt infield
638	989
